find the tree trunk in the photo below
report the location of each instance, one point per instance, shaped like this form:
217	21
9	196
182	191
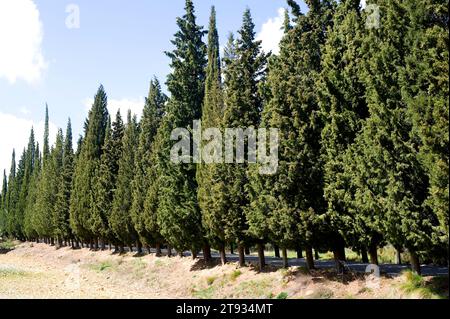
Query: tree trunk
169	251
261	258
102	244
247	251
231	249
96	243
139	247
158	249
149	249
194	254
364	257
241	251
52	241
276	251
299	252
415	264
337	261
309	258
207	253
373	254
223	255
130	246
180	254
316	254
398	256
285	258
121	249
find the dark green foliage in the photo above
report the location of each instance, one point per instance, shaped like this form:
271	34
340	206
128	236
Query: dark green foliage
86	165
425	89
120	219
178	215
244	67
207	173
144	164
287	206
343	109
389	181
105	181
61	217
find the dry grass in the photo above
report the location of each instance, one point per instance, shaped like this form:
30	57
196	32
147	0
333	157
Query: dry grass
41	271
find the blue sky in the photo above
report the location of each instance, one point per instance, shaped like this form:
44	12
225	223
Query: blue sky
119	44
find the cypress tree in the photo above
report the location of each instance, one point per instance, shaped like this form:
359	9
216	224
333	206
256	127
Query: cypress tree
212	113
389	179
178	215
14	226
294	196
425	87
144	175
343	109
65	177
3	205
30	210
120	220
243	73
86	165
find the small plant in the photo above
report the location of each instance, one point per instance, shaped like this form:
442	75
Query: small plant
282	295
235	274
210	280
100	267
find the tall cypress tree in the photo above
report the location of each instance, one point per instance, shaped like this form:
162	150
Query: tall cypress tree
296	191
425	88
144	175
3	204
212	113
30	210
105	182
244	69
65	177
179	216
389	179
86	164
343	109
25	185
120	220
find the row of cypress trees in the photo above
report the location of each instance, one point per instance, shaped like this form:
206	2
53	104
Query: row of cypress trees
363	154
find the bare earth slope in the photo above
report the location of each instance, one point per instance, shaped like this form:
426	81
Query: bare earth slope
40	271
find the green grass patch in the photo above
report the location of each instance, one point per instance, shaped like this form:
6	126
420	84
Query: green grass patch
282	295
103	266
11	272
7	244
210	280
235	274
254	288
435	288
206	293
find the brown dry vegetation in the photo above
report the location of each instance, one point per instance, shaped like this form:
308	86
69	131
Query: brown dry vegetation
39	271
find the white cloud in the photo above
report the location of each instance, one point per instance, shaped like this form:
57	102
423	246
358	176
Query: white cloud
21	35
363	4
136	106
272	33
14	134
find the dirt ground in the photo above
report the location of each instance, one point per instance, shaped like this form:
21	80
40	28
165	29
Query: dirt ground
40	271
